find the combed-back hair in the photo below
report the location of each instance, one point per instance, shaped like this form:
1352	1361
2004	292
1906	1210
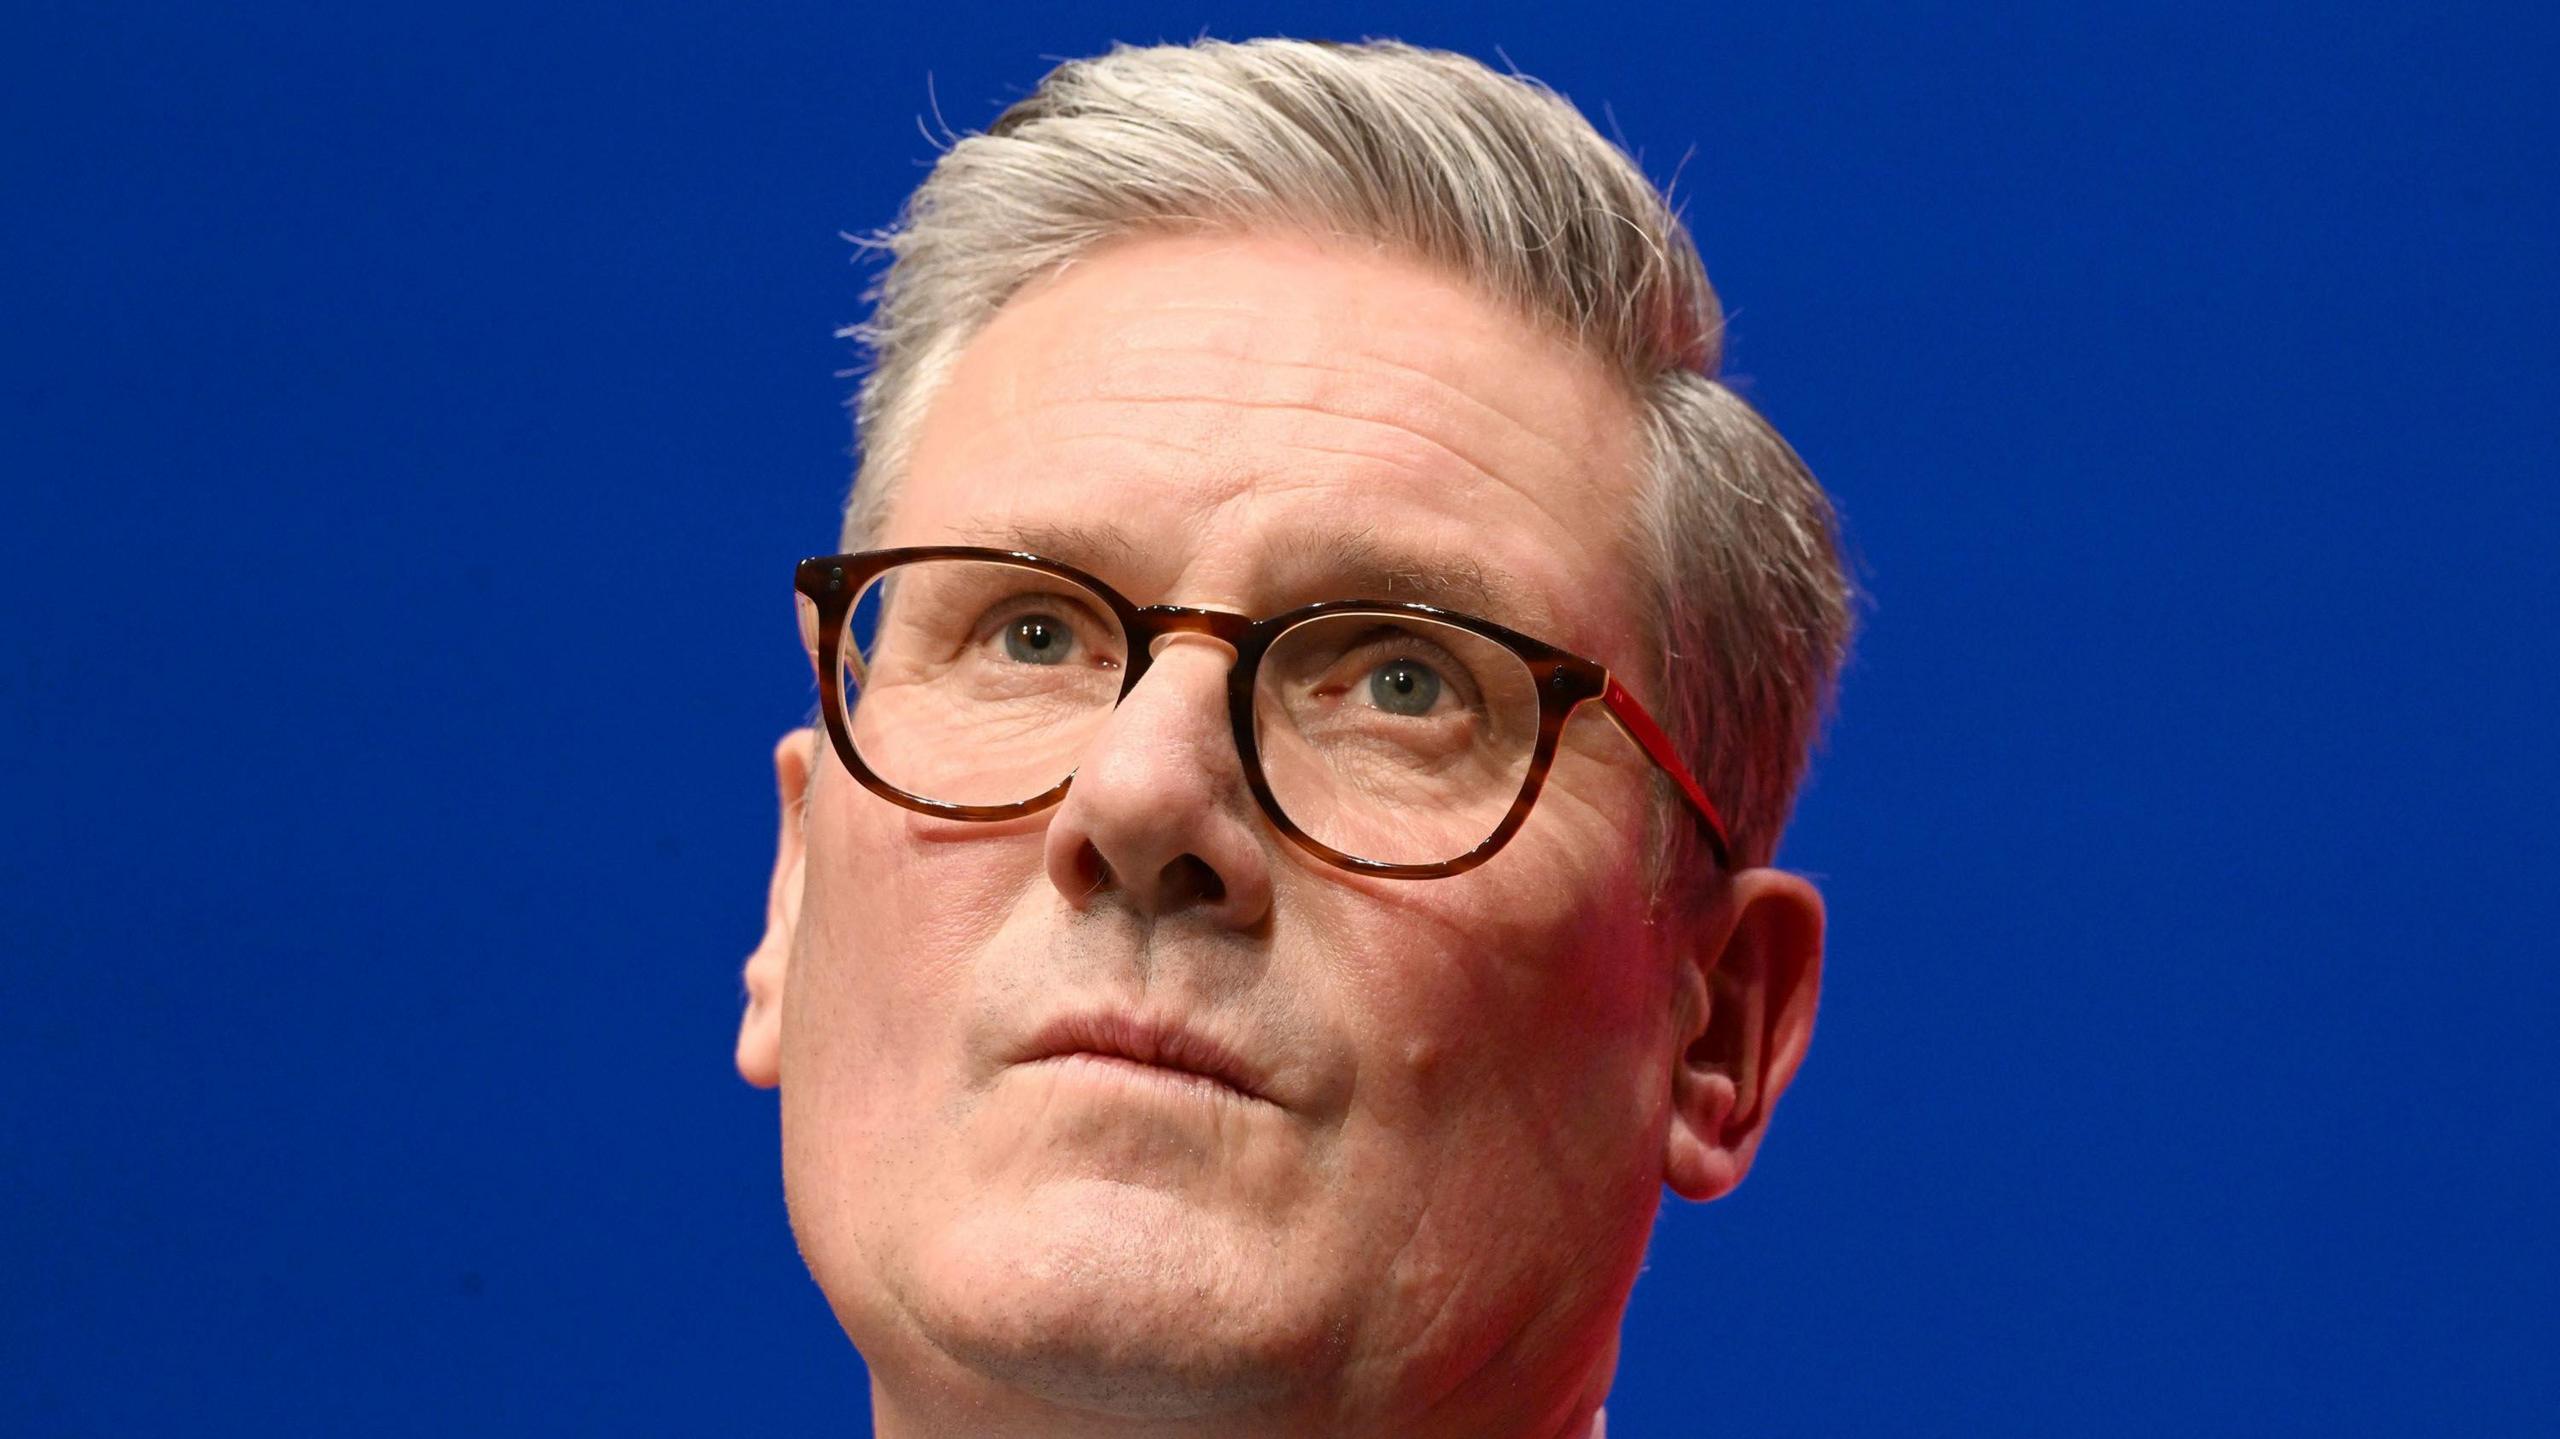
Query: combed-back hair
1493	177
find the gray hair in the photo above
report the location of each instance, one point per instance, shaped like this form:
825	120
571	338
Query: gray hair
1493	176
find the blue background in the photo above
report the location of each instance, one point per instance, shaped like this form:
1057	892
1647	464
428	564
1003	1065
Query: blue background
411	416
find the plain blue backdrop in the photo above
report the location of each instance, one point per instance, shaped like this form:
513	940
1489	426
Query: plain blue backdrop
409	416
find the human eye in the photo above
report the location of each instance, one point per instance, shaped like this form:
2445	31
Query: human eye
1398	673
1038	638
1405	686
1047	630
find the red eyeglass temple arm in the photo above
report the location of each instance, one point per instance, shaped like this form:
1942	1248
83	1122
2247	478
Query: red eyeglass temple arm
1657	745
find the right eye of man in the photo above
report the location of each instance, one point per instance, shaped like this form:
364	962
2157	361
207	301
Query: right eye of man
1404	687
1038	639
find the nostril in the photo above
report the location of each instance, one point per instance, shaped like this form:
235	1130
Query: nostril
1189	879
1092	871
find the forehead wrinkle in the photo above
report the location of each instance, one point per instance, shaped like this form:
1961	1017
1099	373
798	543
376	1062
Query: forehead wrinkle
1426	417
1376	342
1365	384
1465	398
1384	425
1063	453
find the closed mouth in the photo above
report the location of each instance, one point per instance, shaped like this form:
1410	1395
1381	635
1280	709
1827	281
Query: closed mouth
1160	1048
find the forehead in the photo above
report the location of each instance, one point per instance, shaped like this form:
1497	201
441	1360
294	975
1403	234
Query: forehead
1258	420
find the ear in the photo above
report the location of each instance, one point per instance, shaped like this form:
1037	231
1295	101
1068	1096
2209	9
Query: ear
1749	977
760	1031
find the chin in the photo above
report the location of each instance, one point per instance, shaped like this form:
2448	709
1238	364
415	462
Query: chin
1118	1298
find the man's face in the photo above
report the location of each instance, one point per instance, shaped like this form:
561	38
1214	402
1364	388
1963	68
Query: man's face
1462	1083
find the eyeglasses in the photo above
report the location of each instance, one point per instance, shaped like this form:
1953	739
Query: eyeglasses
1391	739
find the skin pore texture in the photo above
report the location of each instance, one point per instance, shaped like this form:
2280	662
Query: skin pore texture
1471	1089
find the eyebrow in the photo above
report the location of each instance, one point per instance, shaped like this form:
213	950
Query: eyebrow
1099	548
1340	564
1356	564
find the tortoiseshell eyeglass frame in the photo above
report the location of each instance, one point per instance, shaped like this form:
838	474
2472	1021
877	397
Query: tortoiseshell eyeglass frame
829	584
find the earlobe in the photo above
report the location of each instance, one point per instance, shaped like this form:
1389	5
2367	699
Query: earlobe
1747	993
760	1029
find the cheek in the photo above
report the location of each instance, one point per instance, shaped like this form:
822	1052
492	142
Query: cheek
893	917
1498	1006
1505	1125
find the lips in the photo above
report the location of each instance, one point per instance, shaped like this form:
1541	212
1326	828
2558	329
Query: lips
1156	1044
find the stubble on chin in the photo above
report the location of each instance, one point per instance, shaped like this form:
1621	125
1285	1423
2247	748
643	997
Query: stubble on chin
1129	1304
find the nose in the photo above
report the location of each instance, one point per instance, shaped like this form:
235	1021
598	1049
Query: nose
1157	817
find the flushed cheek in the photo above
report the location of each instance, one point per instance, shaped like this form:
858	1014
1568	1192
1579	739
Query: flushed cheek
1462	1236
1498	1155
1530	947
1473	1049
1509	1021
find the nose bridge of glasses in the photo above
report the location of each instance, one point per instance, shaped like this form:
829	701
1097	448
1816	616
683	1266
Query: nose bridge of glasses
1161	625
